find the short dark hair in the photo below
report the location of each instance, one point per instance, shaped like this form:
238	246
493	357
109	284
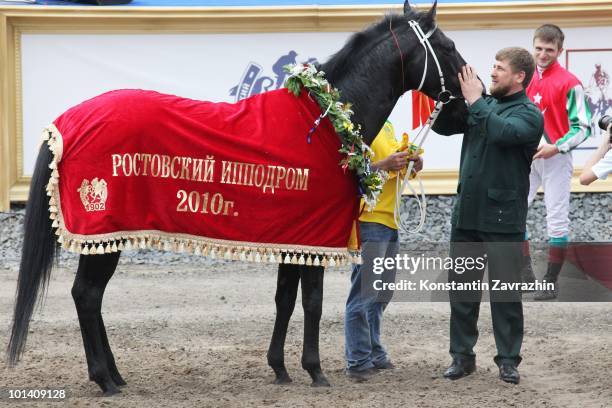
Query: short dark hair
550	33
520	60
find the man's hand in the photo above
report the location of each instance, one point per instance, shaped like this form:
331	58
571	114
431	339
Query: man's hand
399	161
546	151
471	86
418	164
396	161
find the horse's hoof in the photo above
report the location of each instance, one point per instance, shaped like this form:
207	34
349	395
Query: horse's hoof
280	380
320	382
118	380
111	391
109	388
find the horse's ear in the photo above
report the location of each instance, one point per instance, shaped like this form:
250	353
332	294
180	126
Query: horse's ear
431	14
407	8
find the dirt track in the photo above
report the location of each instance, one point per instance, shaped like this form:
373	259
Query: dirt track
185	337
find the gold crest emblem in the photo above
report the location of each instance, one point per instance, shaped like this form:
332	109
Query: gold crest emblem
94	194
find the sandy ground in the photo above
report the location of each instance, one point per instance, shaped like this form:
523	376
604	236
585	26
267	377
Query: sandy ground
195	338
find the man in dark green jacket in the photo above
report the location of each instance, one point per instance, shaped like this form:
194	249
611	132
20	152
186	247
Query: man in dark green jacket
501	135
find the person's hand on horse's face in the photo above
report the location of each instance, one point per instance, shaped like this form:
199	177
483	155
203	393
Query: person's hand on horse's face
471	86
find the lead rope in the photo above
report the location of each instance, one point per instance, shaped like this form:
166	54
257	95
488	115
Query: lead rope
401	184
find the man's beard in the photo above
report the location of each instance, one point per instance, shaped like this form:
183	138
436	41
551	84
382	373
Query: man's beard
497	91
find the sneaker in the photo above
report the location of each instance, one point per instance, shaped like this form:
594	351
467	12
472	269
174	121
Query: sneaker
385	365
527	275
360	375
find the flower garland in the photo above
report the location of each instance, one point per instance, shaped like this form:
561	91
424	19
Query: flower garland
358	154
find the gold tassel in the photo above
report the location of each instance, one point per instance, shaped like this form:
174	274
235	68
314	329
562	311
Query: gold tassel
302	260
55	223
73	247
251	257
324	262
52	201
107	248
205	250
309	261
294	260
114	247
181	248
85	250
52	216
66	245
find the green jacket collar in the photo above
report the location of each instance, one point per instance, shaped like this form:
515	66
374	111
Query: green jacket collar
514	97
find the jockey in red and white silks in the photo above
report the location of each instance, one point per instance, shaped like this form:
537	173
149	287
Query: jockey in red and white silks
567	118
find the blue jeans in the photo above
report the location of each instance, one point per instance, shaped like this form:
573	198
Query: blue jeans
365	306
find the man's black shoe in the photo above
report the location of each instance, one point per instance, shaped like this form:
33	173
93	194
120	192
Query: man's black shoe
459	368
509	373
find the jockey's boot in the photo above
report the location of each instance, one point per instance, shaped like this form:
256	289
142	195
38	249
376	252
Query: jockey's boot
527	275
551	276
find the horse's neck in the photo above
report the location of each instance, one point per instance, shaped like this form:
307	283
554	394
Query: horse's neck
372	93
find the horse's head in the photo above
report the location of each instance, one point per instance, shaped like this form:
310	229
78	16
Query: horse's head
436	80
377	65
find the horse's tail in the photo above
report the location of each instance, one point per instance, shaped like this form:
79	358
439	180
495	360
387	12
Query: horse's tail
37	256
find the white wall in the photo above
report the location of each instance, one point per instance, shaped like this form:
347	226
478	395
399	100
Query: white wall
61	70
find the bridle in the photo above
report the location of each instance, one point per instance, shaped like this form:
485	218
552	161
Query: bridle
444	97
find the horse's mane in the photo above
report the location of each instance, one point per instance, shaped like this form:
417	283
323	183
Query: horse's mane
363	42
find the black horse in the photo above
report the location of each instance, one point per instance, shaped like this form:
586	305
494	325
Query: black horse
372	71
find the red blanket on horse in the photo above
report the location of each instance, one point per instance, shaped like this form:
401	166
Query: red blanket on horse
240	180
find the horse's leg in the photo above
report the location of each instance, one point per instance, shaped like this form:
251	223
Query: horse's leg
286	293
93	274
312	301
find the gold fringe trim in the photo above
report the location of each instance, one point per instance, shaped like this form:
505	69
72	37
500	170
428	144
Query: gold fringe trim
181	243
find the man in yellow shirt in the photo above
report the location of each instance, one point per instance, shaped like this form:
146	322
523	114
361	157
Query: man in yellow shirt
379	238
